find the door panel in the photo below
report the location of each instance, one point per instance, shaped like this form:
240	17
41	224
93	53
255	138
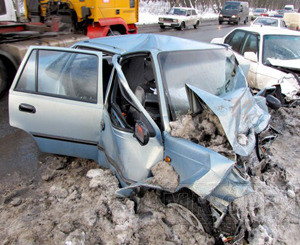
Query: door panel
57	98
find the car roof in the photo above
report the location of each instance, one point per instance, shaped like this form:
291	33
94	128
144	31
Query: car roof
266	30
145	42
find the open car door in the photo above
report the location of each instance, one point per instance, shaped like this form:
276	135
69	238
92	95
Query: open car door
57	98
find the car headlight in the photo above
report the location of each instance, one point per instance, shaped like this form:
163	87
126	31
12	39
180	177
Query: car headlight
160	19
233	16
220	15
176	21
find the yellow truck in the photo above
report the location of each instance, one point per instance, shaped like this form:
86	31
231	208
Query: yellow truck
96	18
58	23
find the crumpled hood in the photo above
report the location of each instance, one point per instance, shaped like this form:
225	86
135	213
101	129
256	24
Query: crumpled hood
292	64
241	114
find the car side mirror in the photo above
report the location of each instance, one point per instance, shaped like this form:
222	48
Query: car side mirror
273	102
250	56
141	133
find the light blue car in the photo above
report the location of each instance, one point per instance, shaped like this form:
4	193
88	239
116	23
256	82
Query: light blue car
112	100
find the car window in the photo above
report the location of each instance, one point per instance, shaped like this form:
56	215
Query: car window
196	68
251	44
194	12
3	8
235	39
27	79
61	74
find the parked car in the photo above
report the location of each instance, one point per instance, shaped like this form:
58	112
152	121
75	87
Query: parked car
269	21
113	99
180	18
258	12
273	55
235	12
279	14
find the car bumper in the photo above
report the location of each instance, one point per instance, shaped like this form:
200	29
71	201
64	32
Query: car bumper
169	24
229	19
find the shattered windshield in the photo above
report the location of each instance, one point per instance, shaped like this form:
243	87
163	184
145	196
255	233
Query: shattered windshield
281	47
214	71
177	11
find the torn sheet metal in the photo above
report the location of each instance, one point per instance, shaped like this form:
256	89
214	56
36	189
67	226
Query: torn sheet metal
241	114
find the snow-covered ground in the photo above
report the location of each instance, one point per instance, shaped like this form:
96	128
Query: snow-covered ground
149	12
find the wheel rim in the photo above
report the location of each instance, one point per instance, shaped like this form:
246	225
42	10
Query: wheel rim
187	215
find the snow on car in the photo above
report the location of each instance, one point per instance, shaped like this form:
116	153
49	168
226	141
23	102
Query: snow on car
114	99
180	18
273	55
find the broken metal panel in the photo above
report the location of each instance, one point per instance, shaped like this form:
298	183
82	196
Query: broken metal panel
199	168
233	186
239	114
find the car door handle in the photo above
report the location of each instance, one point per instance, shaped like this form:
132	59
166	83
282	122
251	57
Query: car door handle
27	108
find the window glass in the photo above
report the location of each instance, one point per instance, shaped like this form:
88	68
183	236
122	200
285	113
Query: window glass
251	44
194	12
132	3
67	74
281	47
197	68
2	8
27	79
235	39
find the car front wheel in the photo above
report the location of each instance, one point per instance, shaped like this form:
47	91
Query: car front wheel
3	79
162	27
195	210
181	27
197	24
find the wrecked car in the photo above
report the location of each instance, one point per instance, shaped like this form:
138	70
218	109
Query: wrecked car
115	100
273	55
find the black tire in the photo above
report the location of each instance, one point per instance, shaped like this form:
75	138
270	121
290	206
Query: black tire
181	27
114	33
3	79
220	22
162	27
189	200
197	24
246	20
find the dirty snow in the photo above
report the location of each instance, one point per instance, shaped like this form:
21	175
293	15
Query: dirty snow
75	202
204	129
164	176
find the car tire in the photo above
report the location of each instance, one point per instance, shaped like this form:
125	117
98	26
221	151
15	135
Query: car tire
181	27
113	33
162	27
246	20
3	79
197	24
220	22
195	210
